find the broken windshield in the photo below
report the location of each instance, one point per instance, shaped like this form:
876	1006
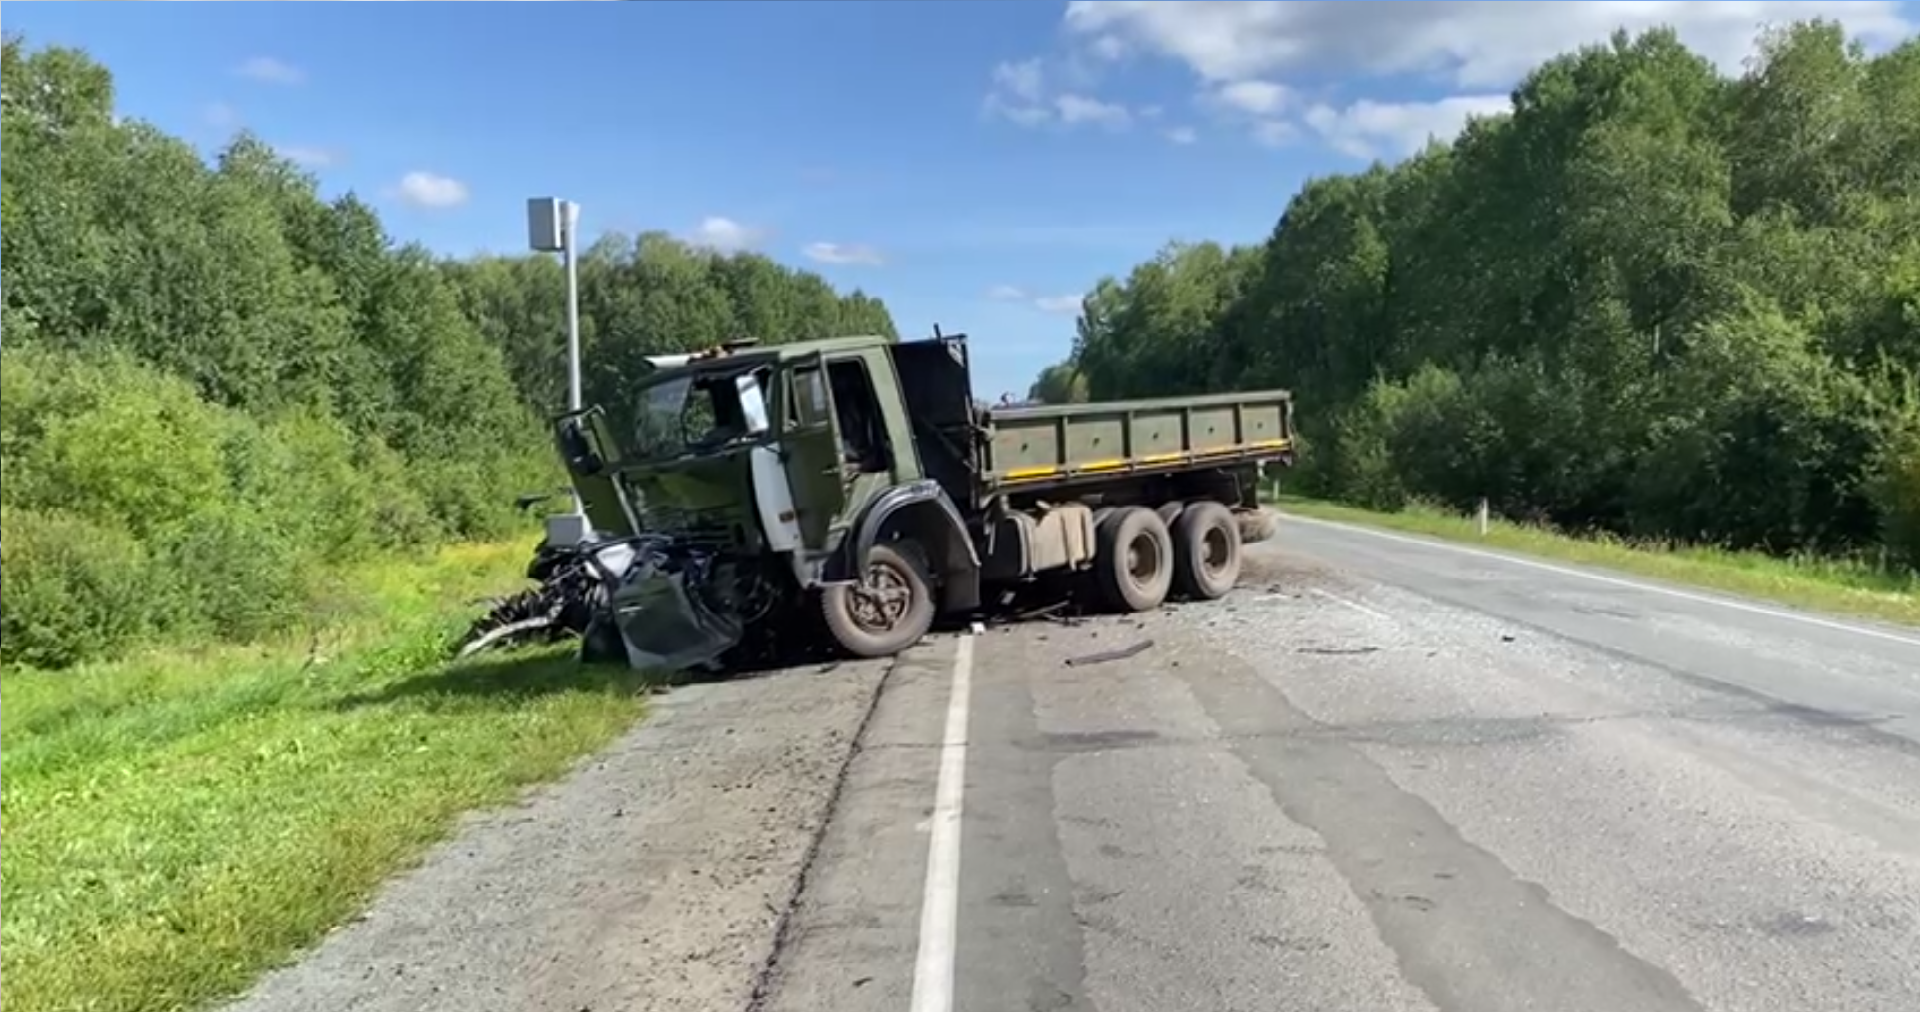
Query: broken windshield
698	412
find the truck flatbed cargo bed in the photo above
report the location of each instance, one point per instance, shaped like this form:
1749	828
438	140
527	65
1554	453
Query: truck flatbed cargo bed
1046	444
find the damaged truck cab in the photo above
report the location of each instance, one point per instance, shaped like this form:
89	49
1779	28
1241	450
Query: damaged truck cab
855	482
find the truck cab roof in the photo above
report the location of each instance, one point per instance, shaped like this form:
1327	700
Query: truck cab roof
749	351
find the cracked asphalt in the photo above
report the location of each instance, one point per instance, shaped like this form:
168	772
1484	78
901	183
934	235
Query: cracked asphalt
1381	775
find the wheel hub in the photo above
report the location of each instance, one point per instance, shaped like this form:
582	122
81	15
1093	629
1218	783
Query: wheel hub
881	601
1143	558
1215	553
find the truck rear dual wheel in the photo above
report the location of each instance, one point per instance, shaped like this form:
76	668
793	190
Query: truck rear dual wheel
889	610
1206	546
1133	558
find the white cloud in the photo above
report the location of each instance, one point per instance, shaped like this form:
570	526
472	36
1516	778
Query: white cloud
1044	303
1024	93
1255	105
724	235
1075	109
1025	80
426	189
1017	93
1368	129
1474	43
1183	135
1242	52
843	253
311	157
1260	98
268	70
1109	47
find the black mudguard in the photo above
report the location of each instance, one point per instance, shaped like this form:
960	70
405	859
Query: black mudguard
958	569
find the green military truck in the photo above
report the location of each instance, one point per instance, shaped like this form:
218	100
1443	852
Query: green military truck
856	481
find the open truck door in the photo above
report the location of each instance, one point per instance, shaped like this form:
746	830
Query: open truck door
593	456
810	443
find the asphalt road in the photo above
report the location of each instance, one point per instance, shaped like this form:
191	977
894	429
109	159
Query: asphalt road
1385	775
1381	775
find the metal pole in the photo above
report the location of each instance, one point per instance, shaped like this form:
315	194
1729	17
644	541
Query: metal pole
567	249
570	219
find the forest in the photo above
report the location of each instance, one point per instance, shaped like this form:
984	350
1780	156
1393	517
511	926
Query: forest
216	382
1654	300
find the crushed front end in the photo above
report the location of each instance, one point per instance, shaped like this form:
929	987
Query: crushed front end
689	600
696	582
667	614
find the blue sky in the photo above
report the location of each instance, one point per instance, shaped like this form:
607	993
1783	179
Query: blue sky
975	164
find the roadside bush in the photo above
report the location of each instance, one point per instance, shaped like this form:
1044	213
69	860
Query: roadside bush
1895	488
1360	469
112	440
300	470
238	576
398	516
72	589
138	511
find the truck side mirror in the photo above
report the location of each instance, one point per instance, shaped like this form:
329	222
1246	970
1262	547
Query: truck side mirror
753	404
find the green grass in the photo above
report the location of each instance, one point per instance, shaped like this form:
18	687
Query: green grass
178	822
1832	585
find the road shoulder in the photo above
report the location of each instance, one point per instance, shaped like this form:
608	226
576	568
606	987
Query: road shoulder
655	877
1837	588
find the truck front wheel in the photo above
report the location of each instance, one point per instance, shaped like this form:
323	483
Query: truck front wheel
889	610
1206	542
1133	559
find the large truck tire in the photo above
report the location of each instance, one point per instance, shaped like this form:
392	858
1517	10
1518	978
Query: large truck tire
1206	551
889	610
1133	559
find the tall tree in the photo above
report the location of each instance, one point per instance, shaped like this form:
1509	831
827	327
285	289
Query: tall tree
1652	299
214	377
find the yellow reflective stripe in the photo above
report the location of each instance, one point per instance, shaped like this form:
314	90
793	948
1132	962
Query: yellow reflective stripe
1031	473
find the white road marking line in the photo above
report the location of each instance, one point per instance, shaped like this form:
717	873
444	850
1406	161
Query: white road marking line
1355	605
1618	582
939	902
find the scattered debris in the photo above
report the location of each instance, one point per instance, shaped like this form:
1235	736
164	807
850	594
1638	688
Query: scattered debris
1109	655
1044	611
